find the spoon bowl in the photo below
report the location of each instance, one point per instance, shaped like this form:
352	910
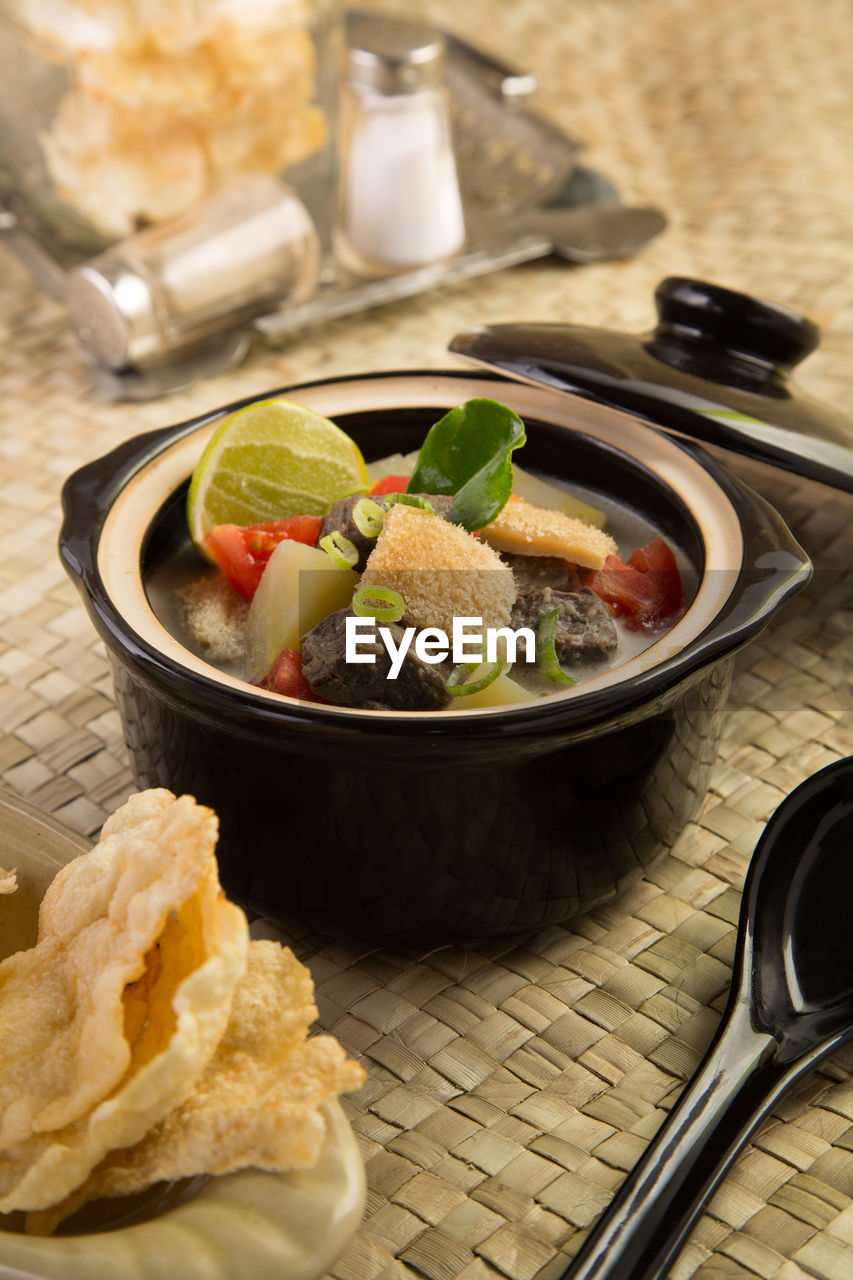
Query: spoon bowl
790	1005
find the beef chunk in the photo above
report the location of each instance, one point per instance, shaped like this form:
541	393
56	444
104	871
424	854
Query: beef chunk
586	631
534	573
417	687
340	518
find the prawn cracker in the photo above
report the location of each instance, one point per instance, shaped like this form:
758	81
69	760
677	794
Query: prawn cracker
110	1019
257	1104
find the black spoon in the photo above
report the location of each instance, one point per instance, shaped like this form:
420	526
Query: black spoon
791	1004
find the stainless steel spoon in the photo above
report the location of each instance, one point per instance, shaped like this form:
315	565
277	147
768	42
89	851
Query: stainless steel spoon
594	232
790	1005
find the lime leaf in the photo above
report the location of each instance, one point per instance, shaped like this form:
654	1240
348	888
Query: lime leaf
467	454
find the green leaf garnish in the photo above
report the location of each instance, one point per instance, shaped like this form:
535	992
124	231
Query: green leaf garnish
467	454
549	663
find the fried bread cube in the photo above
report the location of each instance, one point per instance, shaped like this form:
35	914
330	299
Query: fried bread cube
527	530
441	571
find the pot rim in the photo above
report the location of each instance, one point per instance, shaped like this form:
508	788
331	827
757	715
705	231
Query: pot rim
155	466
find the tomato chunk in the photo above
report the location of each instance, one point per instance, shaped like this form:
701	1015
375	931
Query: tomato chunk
389	484
242	550
286	677
646	593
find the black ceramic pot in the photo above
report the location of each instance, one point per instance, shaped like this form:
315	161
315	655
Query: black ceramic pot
429	826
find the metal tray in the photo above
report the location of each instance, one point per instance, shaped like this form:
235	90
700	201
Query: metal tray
525	196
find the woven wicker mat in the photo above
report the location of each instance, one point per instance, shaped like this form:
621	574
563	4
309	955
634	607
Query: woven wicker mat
511	1086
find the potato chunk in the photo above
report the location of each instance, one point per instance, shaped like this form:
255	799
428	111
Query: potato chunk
299	586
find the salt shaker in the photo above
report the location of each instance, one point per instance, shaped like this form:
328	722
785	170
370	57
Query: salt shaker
246	247
399	205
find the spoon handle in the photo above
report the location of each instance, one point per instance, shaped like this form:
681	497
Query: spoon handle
641	1230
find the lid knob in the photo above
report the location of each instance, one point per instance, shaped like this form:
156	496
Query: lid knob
694	311
766	332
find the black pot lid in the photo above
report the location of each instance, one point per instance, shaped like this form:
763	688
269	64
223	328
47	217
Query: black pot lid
716	368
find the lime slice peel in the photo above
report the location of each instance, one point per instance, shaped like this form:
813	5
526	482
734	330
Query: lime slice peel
270	460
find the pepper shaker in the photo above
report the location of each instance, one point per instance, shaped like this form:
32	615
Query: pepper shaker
399	205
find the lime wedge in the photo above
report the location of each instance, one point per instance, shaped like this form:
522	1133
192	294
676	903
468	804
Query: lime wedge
268	461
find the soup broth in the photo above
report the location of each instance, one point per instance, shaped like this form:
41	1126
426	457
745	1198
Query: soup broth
173	565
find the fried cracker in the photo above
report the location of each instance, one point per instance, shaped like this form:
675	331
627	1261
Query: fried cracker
109	1020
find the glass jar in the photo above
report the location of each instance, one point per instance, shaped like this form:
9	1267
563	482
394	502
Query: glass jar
124	115
399	205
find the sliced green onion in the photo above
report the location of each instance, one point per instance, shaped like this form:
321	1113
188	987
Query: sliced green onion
410	500
549	664
367	517
382	603
340	550
458	687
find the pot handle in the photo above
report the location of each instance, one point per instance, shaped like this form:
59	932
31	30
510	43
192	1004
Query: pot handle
774	566
90	491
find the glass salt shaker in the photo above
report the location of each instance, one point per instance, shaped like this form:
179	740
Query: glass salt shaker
250	245
399	205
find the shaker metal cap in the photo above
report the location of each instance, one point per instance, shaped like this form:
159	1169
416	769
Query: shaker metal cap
113	313
392	56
